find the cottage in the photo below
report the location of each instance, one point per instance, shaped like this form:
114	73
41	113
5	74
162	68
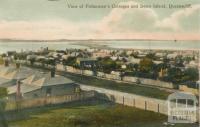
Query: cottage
86	62
43	85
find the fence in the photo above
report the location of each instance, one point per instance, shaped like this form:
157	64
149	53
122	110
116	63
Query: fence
14	105
132	100
151	82
145	81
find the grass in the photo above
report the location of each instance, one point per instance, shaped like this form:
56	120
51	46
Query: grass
124	87
91	113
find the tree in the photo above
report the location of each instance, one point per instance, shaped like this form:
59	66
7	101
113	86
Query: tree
123	54
50	61
151	56
32	60
1	60
70	61
134	54
3	93
179	61
175	75
108	65
146	65
191	74
136	66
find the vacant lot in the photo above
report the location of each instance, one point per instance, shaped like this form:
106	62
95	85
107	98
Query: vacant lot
124	87
91	113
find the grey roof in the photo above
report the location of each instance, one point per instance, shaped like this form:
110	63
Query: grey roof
7	82
21	73
24	72
3	80
57	80
39	80
25	88
36	76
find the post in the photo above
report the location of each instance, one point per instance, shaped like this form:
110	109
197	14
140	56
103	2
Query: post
18	95
199	88
123	100
145	105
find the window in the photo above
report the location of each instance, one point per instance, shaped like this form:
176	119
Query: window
35	95
190	103
48	91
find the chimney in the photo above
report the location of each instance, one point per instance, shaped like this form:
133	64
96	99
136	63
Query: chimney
17	65
6	62
53	72
18	92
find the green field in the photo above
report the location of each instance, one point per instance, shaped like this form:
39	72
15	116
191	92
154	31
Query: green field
124	87
90	113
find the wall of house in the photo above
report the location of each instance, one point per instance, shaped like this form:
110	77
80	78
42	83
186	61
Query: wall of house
88	72
55	91
13	105
60	67
58	90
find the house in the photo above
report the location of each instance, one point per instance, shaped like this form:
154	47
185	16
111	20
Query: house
86	62
10	74
192	64
101	54
172	56
134	60
42	85
162	72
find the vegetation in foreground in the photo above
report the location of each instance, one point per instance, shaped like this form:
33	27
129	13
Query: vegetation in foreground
1	60
3	93
92	113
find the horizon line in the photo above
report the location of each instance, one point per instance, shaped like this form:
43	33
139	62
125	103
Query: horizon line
62	40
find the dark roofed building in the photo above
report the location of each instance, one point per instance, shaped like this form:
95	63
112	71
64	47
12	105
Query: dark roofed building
87	62
47	85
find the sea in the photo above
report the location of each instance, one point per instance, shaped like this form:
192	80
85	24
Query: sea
129	44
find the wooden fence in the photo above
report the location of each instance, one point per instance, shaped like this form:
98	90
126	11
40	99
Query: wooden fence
15	105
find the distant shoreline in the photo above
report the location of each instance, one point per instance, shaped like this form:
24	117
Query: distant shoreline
86	40
10	45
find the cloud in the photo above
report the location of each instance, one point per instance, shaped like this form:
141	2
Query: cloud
129	20
119	23
185	20
147	20
38	29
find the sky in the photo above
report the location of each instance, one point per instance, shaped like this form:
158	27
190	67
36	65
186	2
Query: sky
52	19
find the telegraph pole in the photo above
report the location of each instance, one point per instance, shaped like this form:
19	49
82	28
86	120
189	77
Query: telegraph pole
199	87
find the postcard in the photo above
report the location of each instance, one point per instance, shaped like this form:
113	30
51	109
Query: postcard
99	63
